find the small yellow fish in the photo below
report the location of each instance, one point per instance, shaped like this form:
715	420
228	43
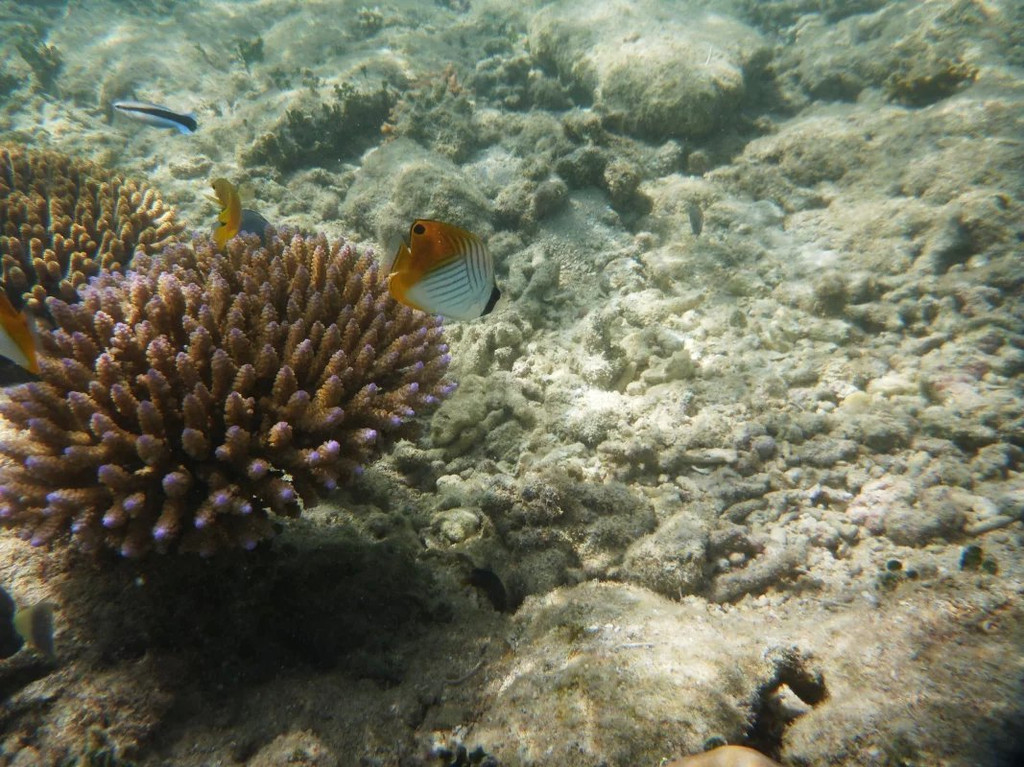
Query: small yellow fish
33	625
229	220
17	341
444	270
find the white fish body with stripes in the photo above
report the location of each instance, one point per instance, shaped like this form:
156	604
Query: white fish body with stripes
444	270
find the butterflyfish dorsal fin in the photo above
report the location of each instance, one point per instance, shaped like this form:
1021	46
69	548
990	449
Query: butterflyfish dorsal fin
230	217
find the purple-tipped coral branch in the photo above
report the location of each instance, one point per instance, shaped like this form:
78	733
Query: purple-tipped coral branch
183	403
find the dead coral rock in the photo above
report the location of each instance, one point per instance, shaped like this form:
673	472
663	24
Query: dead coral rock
591	523
63	220
183	404
939	514
626	677
763	573
671	561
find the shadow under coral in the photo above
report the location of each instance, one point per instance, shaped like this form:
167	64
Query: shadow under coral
190	636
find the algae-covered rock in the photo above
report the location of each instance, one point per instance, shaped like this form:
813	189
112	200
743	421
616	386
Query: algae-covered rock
670	561
591	523
401	181
482	409
915	58
588	684
438	115
294	749
320	132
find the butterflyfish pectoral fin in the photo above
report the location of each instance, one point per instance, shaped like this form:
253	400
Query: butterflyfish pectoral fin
17	341
444	270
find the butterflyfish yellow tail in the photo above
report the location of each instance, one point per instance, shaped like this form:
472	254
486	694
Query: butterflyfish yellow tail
229	220
17	342
444	270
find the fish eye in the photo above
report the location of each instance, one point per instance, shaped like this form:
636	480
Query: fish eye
418	229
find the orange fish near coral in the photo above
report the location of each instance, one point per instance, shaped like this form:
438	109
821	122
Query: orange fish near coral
726	756
17	341
444	270
230	218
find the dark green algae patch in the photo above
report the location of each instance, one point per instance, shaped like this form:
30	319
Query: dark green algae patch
342	127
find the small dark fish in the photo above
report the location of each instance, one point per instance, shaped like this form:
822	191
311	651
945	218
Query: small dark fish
30	624
490	584
252	223
696	219
158	116
10	642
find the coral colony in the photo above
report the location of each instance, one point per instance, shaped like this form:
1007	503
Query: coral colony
62	220
182	403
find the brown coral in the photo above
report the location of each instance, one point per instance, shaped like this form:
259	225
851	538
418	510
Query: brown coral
62	220
182	403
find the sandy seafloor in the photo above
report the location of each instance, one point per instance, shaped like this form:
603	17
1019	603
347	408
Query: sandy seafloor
728	479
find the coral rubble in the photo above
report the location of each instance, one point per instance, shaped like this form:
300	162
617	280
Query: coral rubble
182	402
62	220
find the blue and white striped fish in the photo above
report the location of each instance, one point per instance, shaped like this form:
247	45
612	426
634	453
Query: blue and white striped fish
444	270
156	115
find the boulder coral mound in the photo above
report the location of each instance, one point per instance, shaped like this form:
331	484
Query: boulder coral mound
185	401
647	70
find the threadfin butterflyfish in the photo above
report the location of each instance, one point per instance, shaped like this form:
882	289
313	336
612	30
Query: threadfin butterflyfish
444	270
229	220
17	340
158	116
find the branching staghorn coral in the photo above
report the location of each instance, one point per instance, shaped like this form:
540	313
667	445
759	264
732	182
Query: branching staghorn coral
184	402
62	220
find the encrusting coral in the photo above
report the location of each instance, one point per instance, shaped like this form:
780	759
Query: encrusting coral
63	220
183	402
